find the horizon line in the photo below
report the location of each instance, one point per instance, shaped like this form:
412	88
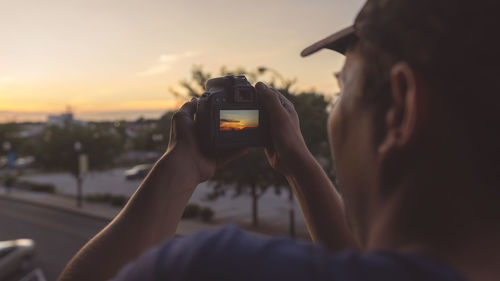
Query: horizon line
12	116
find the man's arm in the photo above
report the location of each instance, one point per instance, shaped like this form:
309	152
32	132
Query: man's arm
150	217
153	212
321	205
288	154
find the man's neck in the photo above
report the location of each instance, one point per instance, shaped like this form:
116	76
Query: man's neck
448	231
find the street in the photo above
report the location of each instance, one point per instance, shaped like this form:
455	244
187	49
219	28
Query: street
57	235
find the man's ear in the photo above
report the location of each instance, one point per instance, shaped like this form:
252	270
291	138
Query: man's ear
405	115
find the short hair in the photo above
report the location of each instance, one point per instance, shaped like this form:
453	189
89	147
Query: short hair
460	58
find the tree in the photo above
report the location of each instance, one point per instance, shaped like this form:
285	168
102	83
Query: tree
13	142
62	147
196	85
57	147
251	175
162	130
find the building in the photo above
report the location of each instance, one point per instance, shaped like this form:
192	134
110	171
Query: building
64	119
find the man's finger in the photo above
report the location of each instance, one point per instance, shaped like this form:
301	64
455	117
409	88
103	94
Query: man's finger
186	112
272	103
182	120
189	108
287	104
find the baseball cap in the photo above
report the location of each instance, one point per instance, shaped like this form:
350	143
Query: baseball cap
339	41
374	16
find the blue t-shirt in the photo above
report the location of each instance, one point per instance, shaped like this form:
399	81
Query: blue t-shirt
231	254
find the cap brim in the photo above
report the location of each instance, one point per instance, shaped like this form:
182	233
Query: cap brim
338	41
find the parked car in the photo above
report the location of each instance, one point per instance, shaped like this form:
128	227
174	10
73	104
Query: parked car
24	162
17	261
138	172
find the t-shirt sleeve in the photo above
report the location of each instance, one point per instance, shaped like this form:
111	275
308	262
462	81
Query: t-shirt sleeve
230	254
226	254
141	269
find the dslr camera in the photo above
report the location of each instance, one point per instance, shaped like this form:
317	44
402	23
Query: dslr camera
230	116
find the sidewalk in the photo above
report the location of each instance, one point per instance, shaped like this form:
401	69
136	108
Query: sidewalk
98	211
273	207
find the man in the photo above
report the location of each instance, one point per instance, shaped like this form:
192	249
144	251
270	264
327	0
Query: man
415	135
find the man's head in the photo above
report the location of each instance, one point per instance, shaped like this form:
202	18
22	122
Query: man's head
418	119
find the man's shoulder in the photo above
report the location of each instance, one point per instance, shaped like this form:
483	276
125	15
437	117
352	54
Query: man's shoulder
231	254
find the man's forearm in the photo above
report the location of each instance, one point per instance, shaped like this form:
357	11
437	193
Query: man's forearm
150	216
321	205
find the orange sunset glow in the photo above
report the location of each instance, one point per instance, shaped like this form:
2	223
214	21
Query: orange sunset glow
236	120
124	59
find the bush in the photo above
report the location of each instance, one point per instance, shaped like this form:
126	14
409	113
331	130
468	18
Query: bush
114	200
98	197
10	180
191	211
118	200
207	214
38	187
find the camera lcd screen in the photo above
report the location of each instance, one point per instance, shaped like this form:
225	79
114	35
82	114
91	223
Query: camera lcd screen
238	120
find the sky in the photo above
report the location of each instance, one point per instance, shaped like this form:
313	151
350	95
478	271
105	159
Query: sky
238	119
117	59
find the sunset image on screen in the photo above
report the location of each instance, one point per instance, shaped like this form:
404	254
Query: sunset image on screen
236	120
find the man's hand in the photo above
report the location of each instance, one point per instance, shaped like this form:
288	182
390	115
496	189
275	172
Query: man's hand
184	146
287	148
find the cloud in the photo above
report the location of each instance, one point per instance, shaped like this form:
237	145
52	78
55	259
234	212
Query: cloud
165	62
229	121
154	70
168	58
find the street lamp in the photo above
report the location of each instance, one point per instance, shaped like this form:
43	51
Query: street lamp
79	177
10	160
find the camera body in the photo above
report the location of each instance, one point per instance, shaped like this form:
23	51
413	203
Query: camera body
230	116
